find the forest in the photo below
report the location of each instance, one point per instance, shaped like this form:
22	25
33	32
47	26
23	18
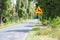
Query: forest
12	12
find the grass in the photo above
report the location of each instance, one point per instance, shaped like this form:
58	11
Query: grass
44	33
4	25
55	33
32	34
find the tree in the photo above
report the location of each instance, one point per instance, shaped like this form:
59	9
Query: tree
7	9
23	8
1	9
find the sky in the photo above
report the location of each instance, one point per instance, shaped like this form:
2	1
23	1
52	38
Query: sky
13	2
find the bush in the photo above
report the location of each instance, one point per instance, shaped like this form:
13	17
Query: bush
46	22
56	22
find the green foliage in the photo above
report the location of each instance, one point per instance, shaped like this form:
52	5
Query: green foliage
51	9
7	9
23	9
45	22
56	22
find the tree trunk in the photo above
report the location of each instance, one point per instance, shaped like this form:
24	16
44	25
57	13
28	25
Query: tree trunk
0	18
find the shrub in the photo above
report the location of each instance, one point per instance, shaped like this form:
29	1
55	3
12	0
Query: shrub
56	22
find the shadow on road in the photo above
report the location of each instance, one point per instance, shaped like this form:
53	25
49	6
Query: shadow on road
28	26
25	31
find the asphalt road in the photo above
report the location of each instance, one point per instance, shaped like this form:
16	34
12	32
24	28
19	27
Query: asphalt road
17	32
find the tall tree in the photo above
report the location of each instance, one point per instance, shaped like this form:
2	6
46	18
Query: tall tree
7	9
24	8
1	9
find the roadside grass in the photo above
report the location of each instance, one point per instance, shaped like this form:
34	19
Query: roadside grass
55	33
43	33
32	34
4	25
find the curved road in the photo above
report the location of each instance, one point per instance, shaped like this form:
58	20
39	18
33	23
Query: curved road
17	32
